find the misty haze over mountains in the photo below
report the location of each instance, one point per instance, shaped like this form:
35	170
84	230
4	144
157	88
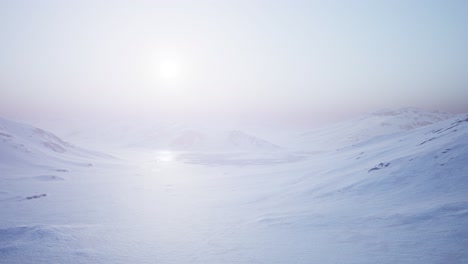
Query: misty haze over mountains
234	132
217	134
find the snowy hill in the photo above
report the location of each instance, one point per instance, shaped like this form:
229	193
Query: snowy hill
428	162
22	144
367	126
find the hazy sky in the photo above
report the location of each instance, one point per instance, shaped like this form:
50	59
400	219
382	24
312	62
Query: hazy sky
294	59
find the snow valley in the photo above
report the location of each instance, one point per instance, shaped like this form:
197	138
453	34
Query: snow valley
387	187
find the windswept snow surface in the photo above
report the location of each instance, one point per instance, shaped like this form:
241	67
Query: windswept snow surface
390	198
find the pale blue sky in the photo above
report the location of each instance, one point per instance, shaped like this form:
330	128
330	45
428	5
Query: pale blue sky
272	58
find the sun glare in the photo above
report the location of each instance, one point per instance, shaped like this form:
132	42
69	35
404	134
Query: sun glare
169	70
165	156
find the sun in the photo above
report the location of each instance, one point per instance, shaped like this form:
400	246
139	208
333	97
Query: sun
168	70
165	156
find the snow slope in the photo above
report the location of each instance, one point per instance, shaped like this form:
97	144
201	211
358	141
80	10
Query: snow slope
381	122
22	144
390	198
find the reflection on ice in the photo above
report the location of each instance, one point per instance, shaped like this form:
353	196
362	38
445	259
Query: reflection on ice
242	159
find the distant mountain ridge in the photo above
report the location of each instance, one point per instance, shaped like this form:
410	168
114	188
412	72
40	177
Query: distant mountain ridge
386	121
409	118
239	139
232	140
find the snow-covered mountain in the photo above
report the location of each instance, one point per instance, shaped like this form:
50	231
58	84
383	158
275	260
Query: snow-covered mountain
186	140
231	140
237	139
377	123
22	144
164	135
